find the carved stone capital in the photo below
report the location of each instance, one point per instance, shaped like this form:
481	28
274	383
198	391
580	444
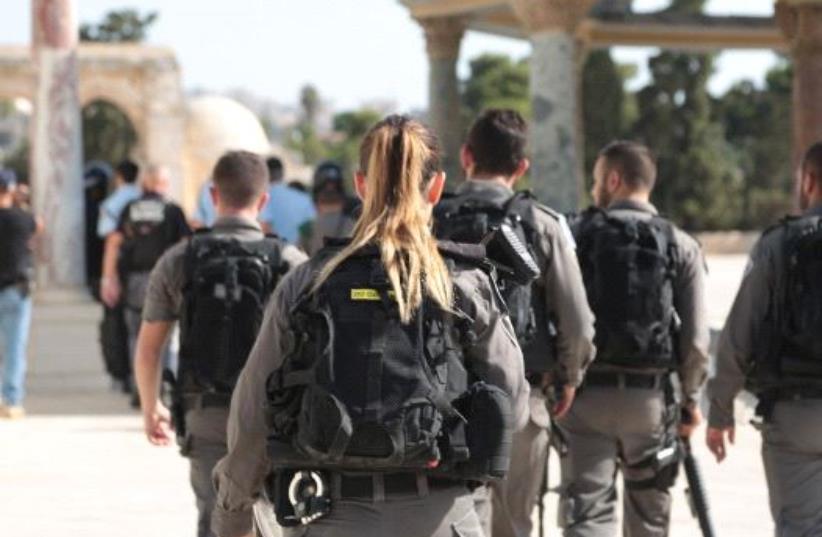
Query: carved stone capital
54	24
551	15
443	36
801	23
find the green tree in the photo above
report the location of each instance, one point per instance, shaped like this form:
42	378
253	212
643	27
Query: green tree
604	104
349	129
758	127
303	138
121	26
496	81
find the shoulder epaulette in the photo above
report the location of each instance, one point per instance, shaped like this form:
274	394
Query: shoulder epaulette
469	253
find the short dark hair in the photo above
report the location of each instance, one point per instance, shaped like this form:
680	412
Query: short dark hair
497	142
240	178
634	162
128	170
276	170
812	161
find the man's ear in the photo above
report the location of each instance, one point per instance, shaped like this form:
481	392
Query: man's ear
215	196
467	160
436	187
262	202
522	168
613	181
360	185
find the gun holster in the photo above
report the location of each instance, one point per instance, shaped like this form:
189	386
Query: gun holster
176	405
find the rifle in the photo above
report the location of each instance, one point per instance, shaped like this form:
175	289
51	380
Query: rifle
697	498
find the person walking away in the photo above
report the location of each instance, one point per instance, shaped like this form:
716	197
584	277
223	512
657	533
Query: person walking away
771	346
17	230
386	375
551	317
215	285
289	212
205	214
148	226
337	212
645	283
113	330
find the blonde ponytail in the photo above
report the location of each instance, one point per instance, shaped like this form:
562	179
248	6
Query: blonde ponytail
399	157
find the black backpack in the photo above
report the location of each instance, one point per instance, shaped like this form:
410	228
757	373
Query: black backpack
227	283
473	221
628	265
795	357
364	391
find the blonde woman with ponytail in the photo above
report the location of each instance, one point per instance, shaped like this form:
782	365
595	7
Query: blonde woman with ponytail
345	414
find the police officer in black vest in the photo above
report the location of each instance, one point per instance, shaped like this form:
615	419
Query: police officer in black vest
550	312
216	285
645	283
148	226
386	377
772	347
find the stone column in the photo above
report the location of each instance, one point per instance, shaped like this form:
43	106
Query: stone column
56	156
164	122
551	25
801	22
443	37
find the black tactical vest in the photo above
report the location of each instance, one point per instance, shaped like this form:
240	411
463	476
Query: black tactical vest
467	219
789	357
364	391
628	265
227	283
148	234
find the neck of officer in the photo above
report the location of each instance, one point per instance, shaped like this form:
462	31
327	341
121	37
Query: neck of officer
248	213
506	181
6	199
636	196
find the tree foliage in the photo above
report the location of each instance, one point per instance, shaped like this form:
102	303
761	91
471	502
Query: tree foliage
121	26
496	81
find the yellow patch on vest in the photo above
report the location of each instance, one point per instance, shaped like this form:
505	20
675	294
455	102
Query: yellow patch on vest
368	295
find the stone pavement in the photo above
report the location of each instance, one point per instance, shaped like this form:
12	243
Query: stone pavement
79	464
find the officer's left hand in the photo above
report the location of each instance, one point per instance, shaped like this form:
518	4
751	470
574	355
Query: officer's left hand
691	419
564	404
157	423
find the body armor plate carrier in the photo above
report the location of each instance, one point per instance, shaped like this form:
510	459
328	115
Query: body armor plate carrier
364	391
628	265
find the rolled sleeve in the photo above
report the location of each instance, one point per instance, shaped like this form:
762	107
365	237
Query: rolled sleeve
739	338
495	355
164	292
239	476
690	305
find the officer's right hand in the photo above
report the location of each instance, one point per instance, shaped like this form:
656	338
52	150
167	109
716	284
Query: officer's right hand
715	439
110	291
157	424
563	405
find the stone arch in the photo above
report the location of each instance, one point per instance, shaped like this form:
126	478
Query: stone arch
114	135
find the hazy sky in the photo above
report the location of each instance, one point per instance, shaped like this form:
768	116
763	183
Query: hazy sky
354	51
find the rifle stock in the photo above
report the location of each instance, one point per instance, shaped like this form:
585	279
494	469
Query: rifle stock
697	497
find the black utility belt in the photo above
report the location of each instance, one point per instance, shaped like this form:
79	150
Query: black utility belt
199	401
613	379
373	486
301	497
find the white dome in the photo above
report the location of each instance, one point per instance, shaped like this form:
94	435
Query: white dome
214	125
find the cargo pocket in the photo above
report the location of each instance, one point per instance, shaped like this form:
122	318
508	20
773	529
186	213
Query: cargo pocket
324	426
468	526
